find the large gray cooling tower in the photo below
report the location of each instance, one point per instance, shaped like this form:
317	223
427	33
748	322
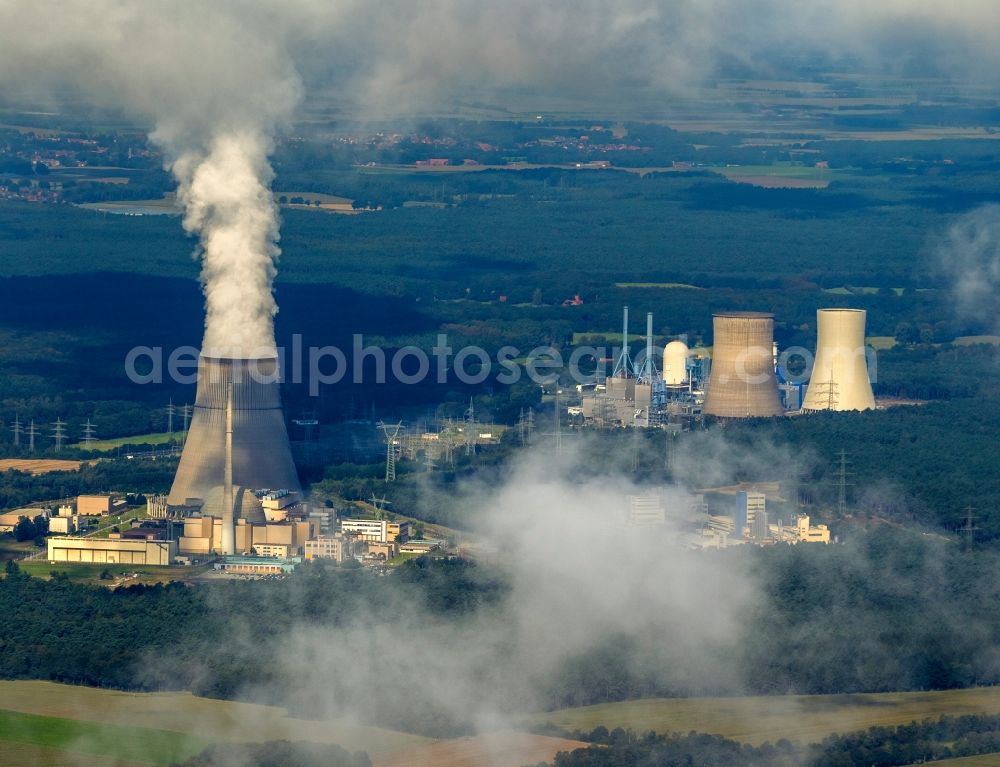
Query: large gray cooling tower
741	383
261	457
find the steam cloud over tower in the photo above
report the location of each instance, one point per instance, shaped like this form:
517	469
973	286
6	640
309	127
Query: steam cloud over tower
839	379
742	382
260	454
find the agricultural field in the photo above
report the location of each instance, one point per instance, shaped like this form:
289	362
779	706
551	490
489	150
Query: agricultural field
119	742
37	466
983	760
155	438
798	718
177	721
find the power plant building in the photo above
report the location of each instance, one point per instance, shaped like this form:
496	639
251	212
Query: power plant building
839	379
124	551
742	382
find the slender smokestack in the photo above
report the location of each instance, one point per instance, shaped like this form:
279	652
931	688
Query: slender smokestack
228	523
624	365
649	339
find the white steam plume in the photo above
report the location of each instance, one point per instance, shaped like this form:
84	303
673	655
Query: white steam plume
215	81
970	257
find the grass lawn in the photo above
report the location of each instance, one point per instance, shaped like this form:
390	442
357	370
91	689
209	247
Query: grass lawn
136	744
802	718
11	549
91	573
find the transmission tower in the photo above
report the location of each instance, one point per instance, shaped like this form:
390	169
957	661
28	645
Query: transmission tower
379	504
470	429
88	434
170	416
842	483
59	433
558	417
969	529
520	427
529	425
18	430
31	436
391	434
828	391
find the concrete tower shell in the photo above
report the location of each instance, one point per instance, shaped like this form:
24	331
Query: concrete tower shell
741	383
675	356
261	456
839	379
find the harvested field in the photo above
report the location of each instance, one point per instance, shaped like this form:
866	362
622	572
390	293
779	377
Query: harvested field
801	718
36	466
29	755
500	749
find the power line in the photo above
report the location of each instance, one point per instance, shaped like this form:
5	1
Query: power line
88	434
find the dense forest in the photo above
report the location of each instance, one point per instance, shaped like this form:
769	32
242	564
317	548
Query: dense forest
888	610
915	743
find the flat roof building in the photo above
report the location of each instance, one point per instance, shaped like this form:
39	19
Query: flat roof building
111	551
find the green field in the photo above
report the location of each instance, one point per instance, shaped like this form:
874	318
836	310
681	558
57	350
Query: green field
156	438
755	720
55	715
973	340
881	342
663	285
139	745
983	760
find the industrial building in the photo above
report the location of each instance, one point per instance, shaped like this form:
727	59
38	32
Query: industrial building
631	396
750	515
839	379
202	535
100	505
645	510
338	548
112	550
376	530
742	383
237	565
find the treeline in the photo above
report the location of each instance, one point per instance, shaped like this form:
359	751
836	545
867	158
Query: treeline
279	753
915	743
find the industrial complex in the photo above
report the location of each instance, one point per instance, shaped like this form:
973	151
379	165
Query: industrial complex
236	500
741	376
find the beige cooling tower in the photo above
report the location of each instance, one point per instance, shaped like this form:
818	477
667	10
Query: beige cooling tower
675	356
742	383
839	379
259	453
